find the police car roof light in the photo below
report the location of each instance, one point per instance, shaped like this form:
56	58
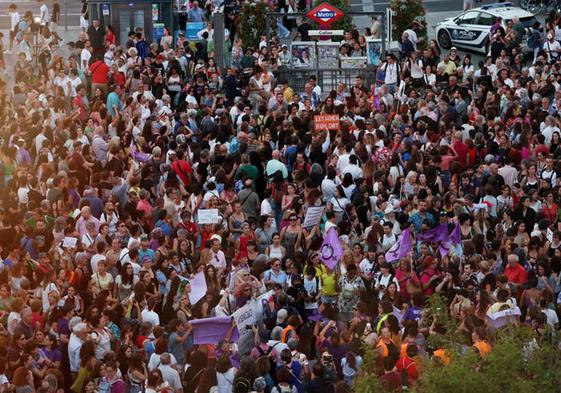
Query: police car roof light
496	5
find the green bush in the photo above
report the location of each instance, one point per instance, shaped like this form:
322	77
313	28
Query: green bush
521	361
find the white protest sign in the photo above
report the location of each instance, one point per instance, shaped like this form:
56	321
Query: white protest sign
313	216
245	318
70	242
198	288
207	216
505	317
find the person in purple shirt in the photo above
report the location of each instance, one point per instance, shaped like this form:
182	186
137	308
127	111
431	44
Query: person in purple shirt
28	244
96	204
22	155
52	350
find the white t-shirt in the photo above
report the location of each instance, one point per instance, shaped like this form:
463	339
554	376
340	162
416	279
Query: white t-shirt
313	287
44	13
384	281
14	19
552	318
22	195
171	376
85	58
103	345
155	362
150	316
551	47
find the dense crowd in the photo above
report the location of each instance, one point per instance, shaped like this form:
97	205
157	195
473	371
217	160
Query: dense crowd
443	178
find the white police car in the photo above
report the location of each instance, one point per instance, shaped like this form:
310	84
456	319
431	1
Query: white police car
470	29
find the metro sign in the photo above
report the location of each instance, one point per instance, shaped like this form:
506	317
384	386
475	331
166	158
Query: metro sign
325	14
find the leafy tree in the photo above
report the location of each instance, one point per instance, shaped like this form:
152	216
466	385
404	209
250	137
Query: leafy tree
404	13
251	22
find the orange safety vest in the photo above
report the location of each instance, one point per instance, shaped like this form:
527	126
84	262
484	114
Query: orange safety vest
384	346
285	332
443	355
483	347
403	351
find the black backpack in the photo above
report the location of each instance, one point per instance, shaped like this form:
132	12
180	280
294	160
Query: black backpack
405	383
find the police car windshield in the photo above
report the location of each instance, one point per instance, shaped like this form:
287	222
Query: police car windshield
528	21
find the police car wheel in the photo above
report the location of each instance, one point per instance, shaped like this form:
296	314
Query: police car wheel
444	40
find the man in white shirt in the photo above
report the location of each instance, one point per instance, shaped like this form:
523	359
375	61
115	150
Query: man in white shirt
547	127
14	21
85	55
218	259
353	168
552	48
44	13
391	72
170	374
149	315
330	183
77	339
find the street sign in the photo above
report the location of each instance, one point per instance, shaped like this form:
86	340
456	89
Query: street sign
329	33
325	14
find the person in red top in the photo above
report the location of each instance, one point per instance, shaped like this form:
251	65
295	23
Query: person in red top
461	149
181	168
187	224
100	75
118	76
81	104
515	272
390	381
109	36
407	364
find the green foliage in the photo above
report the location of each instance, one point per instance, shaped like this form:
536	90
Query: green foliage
346	22
251	23
405	12
521	361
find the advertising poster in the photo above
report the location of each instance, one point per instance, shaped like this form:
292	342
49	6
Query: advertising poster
303	54
328	55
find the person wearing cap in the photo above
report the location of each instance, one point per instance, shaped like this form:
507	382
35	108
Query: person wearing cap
453	56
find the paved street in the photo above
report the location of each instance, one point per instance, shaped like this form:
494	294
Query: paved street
430	5
72	6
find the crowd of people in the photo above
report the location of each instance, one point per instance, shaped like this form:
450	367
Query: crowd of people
128	170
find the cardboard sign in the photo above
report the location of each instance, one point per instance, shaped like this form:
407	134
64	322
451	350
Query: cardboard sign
313	216
69	242
326	122
245	317
207	216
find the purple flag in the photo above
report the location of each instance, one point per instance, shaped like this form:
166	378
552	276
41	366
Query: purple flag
212	330
401	248
453	239
331	251
434	235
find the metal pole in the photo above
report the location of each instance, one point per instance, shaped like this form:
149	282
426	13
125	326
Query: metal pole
65	15
218	20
